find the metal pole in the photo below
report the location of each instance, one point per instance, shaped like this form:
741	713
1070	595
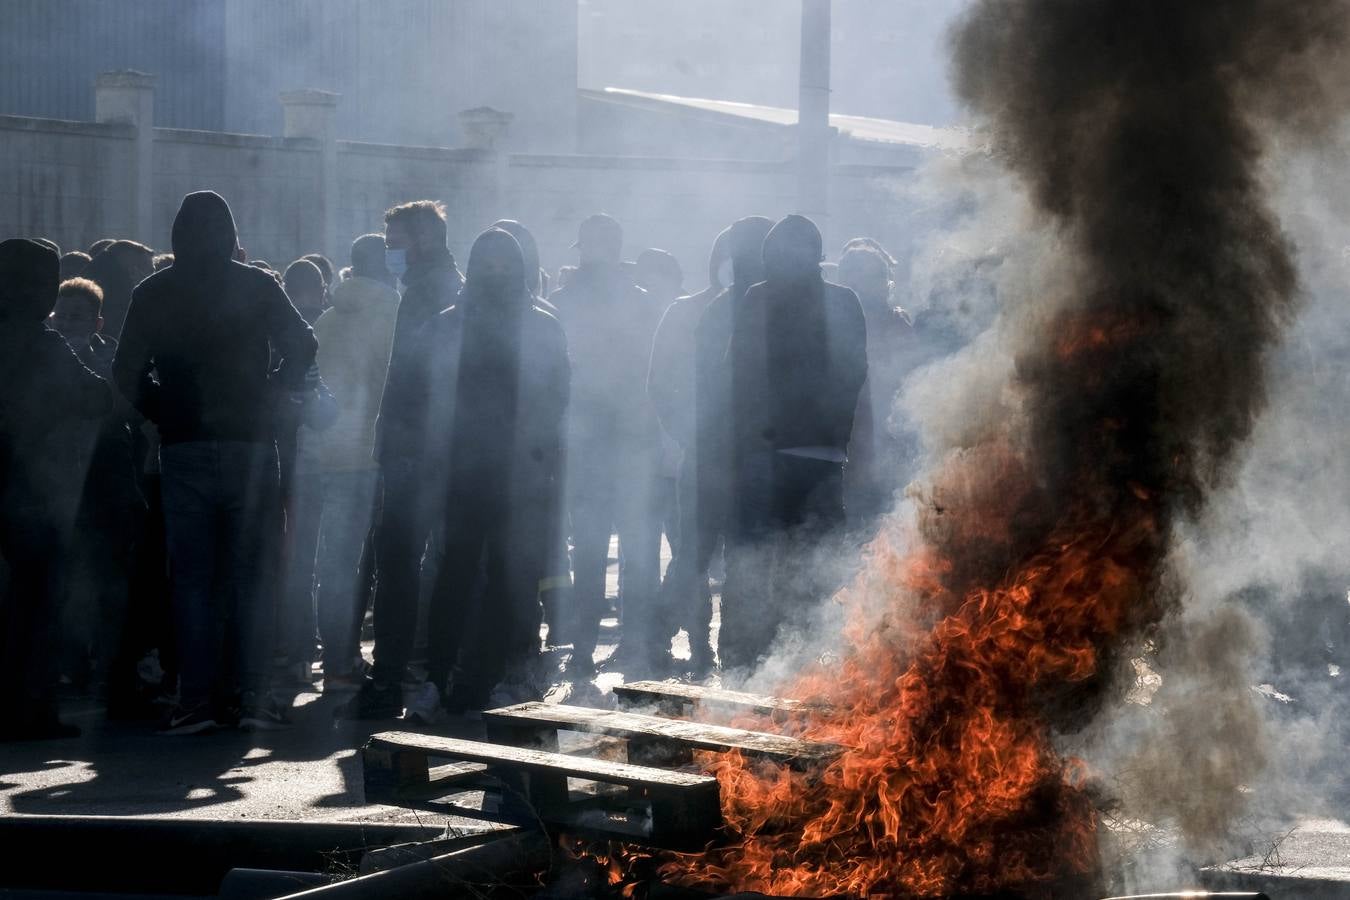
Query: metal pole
813	113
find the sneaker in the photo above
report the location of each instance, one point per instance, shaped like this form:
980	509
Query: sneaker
189	720
424	706
261	712
373	701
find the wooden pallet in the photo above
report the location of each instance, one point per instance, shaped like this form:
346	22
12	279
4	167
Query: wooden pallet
650	738
659	807
671	698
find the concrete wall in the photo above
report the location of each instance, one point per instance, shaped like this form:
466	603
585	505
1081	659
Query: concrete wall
77	182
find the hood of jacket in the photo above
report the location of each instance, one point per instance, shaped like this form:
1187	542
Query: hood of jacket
359	293
204	235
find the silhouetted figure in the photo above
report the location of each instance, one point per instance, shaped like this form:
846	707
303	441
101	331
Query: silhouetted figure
658	273
100	245
880	453
196	359
795	359
301	491
102	474
489	388
686	597
117	270
355	335
614	446
48	388
555	586
416	253
73	264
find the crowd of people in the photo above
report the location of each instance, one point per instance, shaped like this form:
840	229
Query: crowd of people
213	473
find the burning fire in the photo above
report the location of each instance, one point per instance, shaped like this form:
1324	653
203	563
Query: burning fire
951	781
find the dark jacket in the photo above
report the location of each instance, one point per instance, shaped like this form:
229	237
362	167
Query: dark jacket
50	392
482	396
428	288
195	353
610	323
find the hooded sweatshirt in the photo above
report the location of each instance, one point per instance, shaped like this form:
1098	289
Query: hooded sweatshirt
195	352
355	335
485	392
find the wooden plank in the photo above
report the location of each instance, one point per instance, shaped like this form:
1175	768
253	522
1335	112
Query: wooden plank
674	696
491	755
547	717
680	810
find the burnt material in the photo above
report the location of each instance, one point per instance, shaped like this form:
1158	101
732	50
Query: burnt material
658	807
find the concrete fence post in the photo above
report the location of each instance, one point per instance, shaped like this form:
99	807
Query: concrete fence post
486	129
312	115
128	98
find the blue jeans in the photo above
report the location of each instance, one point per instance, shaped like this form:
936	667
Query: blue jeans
221	514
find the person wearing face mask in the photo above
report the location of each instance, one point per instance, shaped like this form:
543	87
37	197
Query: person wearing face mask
48	388
489	387
793	363
613	453
415	254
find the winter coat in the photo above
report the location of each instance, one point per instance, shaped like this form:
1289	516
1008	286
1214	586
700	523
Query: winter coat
428	288
355	337
195	353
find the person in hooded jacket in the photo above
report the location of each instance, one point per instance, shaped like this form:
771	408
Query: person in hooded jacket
489	390
416	253
48	388
674	382
789	370
555	587
196	358
614	447
355	335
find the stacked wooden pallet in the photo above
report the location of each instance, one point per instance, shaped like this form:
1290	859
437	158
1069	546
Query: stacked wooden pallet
657	797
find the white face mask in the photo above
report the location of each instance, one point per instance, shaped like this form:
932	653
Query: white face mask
396	261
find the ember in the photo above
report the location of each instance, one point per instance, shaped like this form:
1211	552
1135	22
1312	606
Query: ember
1041	553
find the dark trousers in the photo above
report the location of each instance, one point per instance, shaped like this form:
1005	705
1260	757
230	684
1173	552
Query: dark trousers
485	608
686	597
348	508
31	542
304	503
403	540
613	491
786	509
221	502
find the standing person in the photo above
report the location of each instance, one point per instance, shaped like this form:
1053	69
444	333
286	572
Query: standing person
301	495
686	598
416	253
117	270
795	360
614	446
34	520
355	335
658	273
490	387
102	472
196	359
555	585
880	455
